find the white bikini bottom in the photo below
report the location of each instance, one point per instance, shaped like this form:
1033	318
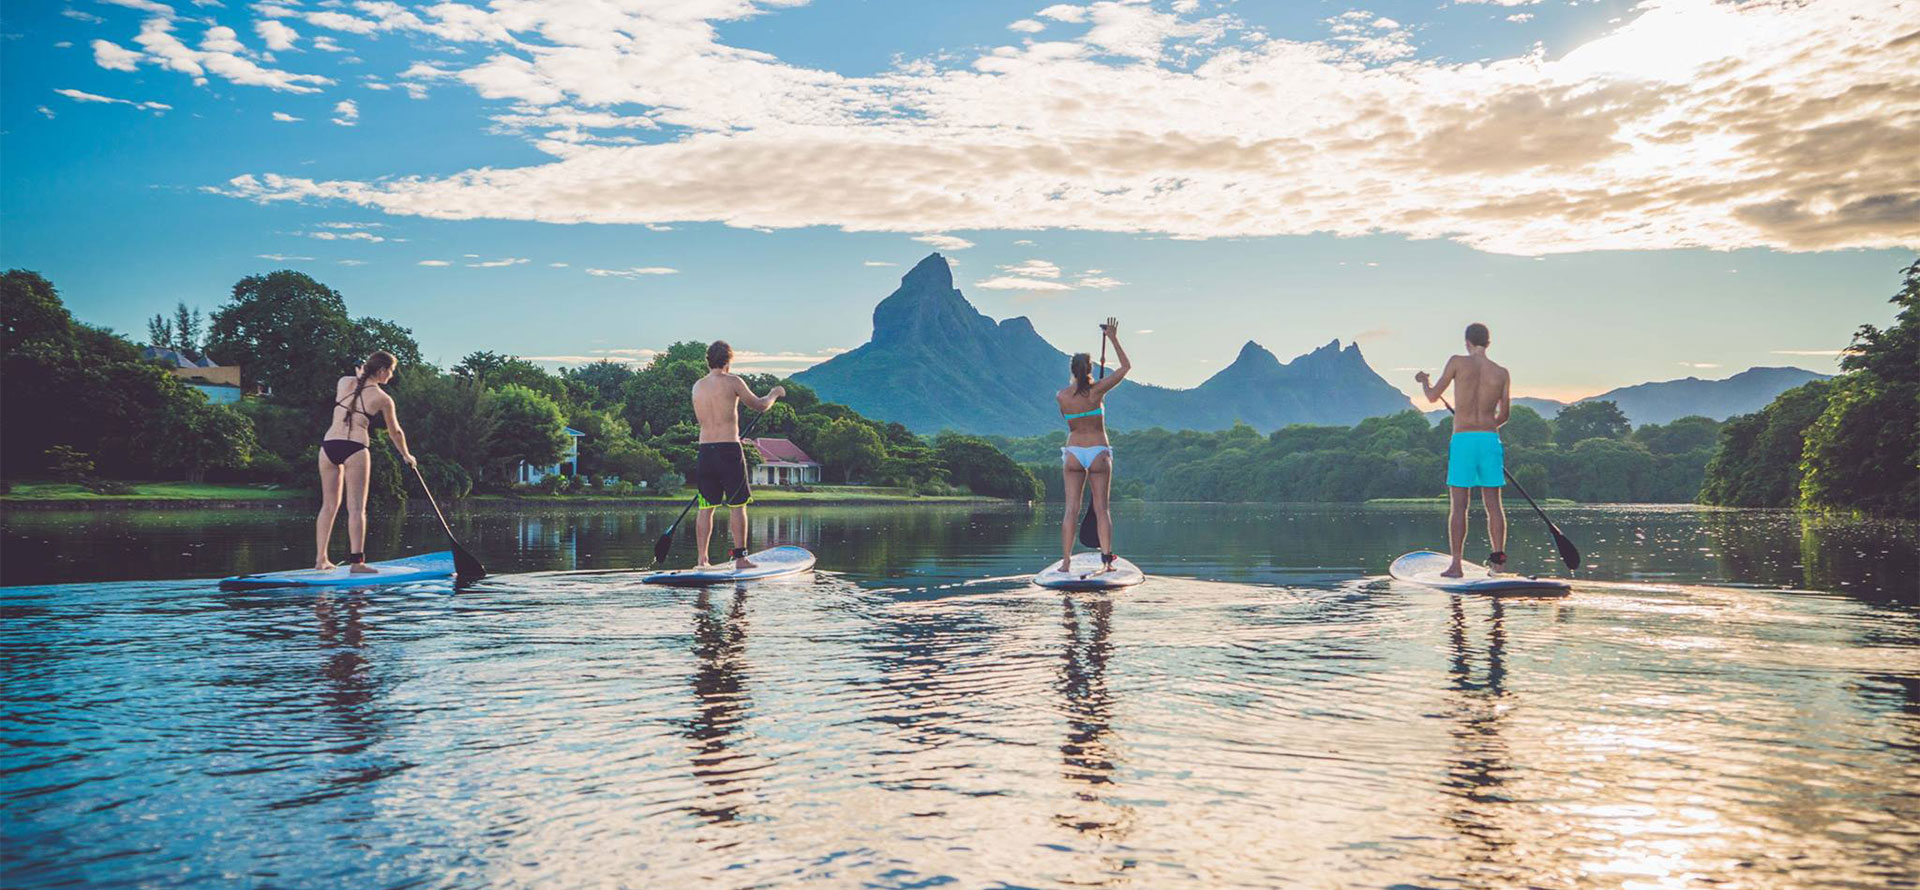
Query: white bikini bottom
1085	454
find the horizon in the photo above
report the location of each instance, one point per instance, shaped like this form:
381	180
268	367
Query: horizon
560	201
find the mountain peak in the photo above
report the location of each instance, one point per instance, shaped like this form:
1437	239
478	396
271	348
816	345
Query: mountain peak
1253	354
931	273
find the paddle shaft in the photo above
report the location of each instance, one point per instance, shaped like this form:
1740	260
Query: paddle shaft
1090	526
466	565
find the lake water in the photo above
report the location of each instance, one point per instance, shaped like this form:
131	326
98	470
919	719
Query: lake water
1728	699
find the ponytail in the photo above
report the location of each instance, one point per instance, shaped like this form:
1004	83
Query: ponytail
1082	368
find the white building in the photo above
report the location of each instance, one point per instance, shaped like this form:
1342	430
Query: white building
569	460
783	463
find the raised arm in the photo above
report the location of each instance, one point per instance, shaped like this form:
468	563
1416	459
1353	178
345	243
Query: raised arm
757	403
1435	390
1120	373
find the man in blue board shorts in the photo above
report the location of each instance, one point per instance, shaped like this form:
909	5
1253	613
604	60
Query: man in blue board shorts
1483	392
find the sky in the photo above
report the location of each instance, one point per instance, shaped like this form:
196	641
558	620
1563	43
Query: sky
1623	191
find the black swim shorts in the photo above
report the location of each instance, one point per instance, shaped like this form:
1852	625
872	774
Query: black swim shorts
721	475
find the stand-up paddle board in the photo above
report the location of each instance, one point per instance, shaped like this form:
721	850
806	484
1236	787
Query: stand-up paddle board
1424	567
424	567
1084	573
770	563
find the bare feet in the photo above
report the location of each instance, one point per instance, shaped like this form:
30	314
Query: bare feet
1066	563
1453	571
324	565
361	568
702	566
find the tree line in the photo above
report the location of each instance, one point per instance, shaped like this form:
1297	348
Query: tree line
1588	453
80	402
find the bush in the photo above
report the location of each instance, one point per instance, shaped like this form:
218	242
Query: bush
69	464
107	486
622	488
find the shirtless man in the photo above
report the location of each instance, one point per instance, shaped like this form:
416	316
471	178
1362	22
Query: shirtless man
1475	458
720	473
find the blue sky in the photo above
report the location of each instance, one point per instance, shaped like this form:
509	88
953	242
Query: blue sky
1623	191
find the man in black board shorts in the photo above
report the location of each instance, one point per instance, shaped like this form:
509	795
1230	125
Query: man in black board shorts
720	473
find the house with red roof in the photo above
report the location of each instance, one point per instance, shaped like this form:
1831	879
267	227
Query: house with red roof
783	463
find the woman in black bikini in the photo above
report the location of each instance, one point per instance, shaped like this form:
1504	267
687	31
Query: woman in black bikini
345	465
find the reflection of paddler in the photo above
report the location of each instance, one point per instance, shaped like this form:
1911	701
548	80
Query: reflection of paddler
1476	774
719	691
1087	754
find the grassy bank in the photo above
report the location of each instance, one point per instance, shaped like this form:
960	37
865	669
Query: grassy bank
67	492
817	495
1443	501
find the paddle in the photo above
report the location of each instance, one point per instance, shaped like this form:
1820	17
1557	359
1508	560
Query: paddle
1089	527
664	546
466	566
1569	554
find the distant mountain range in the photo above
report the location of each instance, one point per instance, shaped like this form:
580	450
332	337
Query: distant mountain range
1668	400
935	362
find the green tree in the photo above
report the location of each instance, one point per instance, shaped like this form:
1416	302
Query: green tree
986	470
527	428
287	332
1758	461
1682	436
201	437
1863	453
605	382
1588	420
1526	428
850	448
634	462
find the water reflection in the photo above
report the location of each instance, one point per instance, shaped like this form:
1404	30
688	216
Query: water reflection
1480	762
721	705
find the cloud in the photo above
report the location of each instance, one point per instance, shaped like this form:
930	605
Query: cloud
368	237
45	111
286	118
878	263
114	57
633	272
351	262
944	242
221	53
1033	268
325	43
346	113
147	6
496	264
746	360
1830	353
1015	282
1690	124
80	96
1700	365
278	36
434	263
78	15
557	265
1520	17
281	257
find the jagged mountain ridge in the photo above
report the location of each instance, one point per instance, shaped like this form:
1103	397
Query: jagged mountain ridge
935	362
1664	401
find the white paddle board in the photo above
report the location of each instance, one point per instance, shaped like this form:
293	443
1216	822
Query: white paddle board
424	567
1085	573
770	563
1423	567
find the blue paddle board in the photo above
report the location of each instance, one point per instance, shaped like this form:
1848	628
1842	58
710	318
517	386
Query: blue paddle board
424	567
1086	573
1423	567
770	563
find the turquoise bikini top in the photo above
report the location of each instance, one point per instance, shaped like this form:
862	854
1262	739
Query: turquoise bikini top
1094	413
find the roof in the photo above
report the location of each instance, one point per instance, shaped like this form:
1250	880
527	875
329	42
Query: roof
781	451
574	433
174	358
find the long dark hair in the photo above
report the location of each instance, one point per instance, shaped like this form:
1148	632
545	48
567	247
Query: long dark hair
380	360
1082	368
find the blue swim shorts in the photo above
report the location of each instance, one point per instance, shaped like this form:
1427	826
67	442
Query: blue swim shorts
1474	460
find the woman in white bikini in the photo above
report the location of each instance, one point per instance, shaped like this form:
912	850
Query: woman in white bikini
1087	459
345	464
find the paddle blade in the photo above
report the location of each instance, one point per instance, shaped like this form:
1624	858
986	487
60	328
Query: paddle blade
466	567
1089	530
1569	554
663	547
